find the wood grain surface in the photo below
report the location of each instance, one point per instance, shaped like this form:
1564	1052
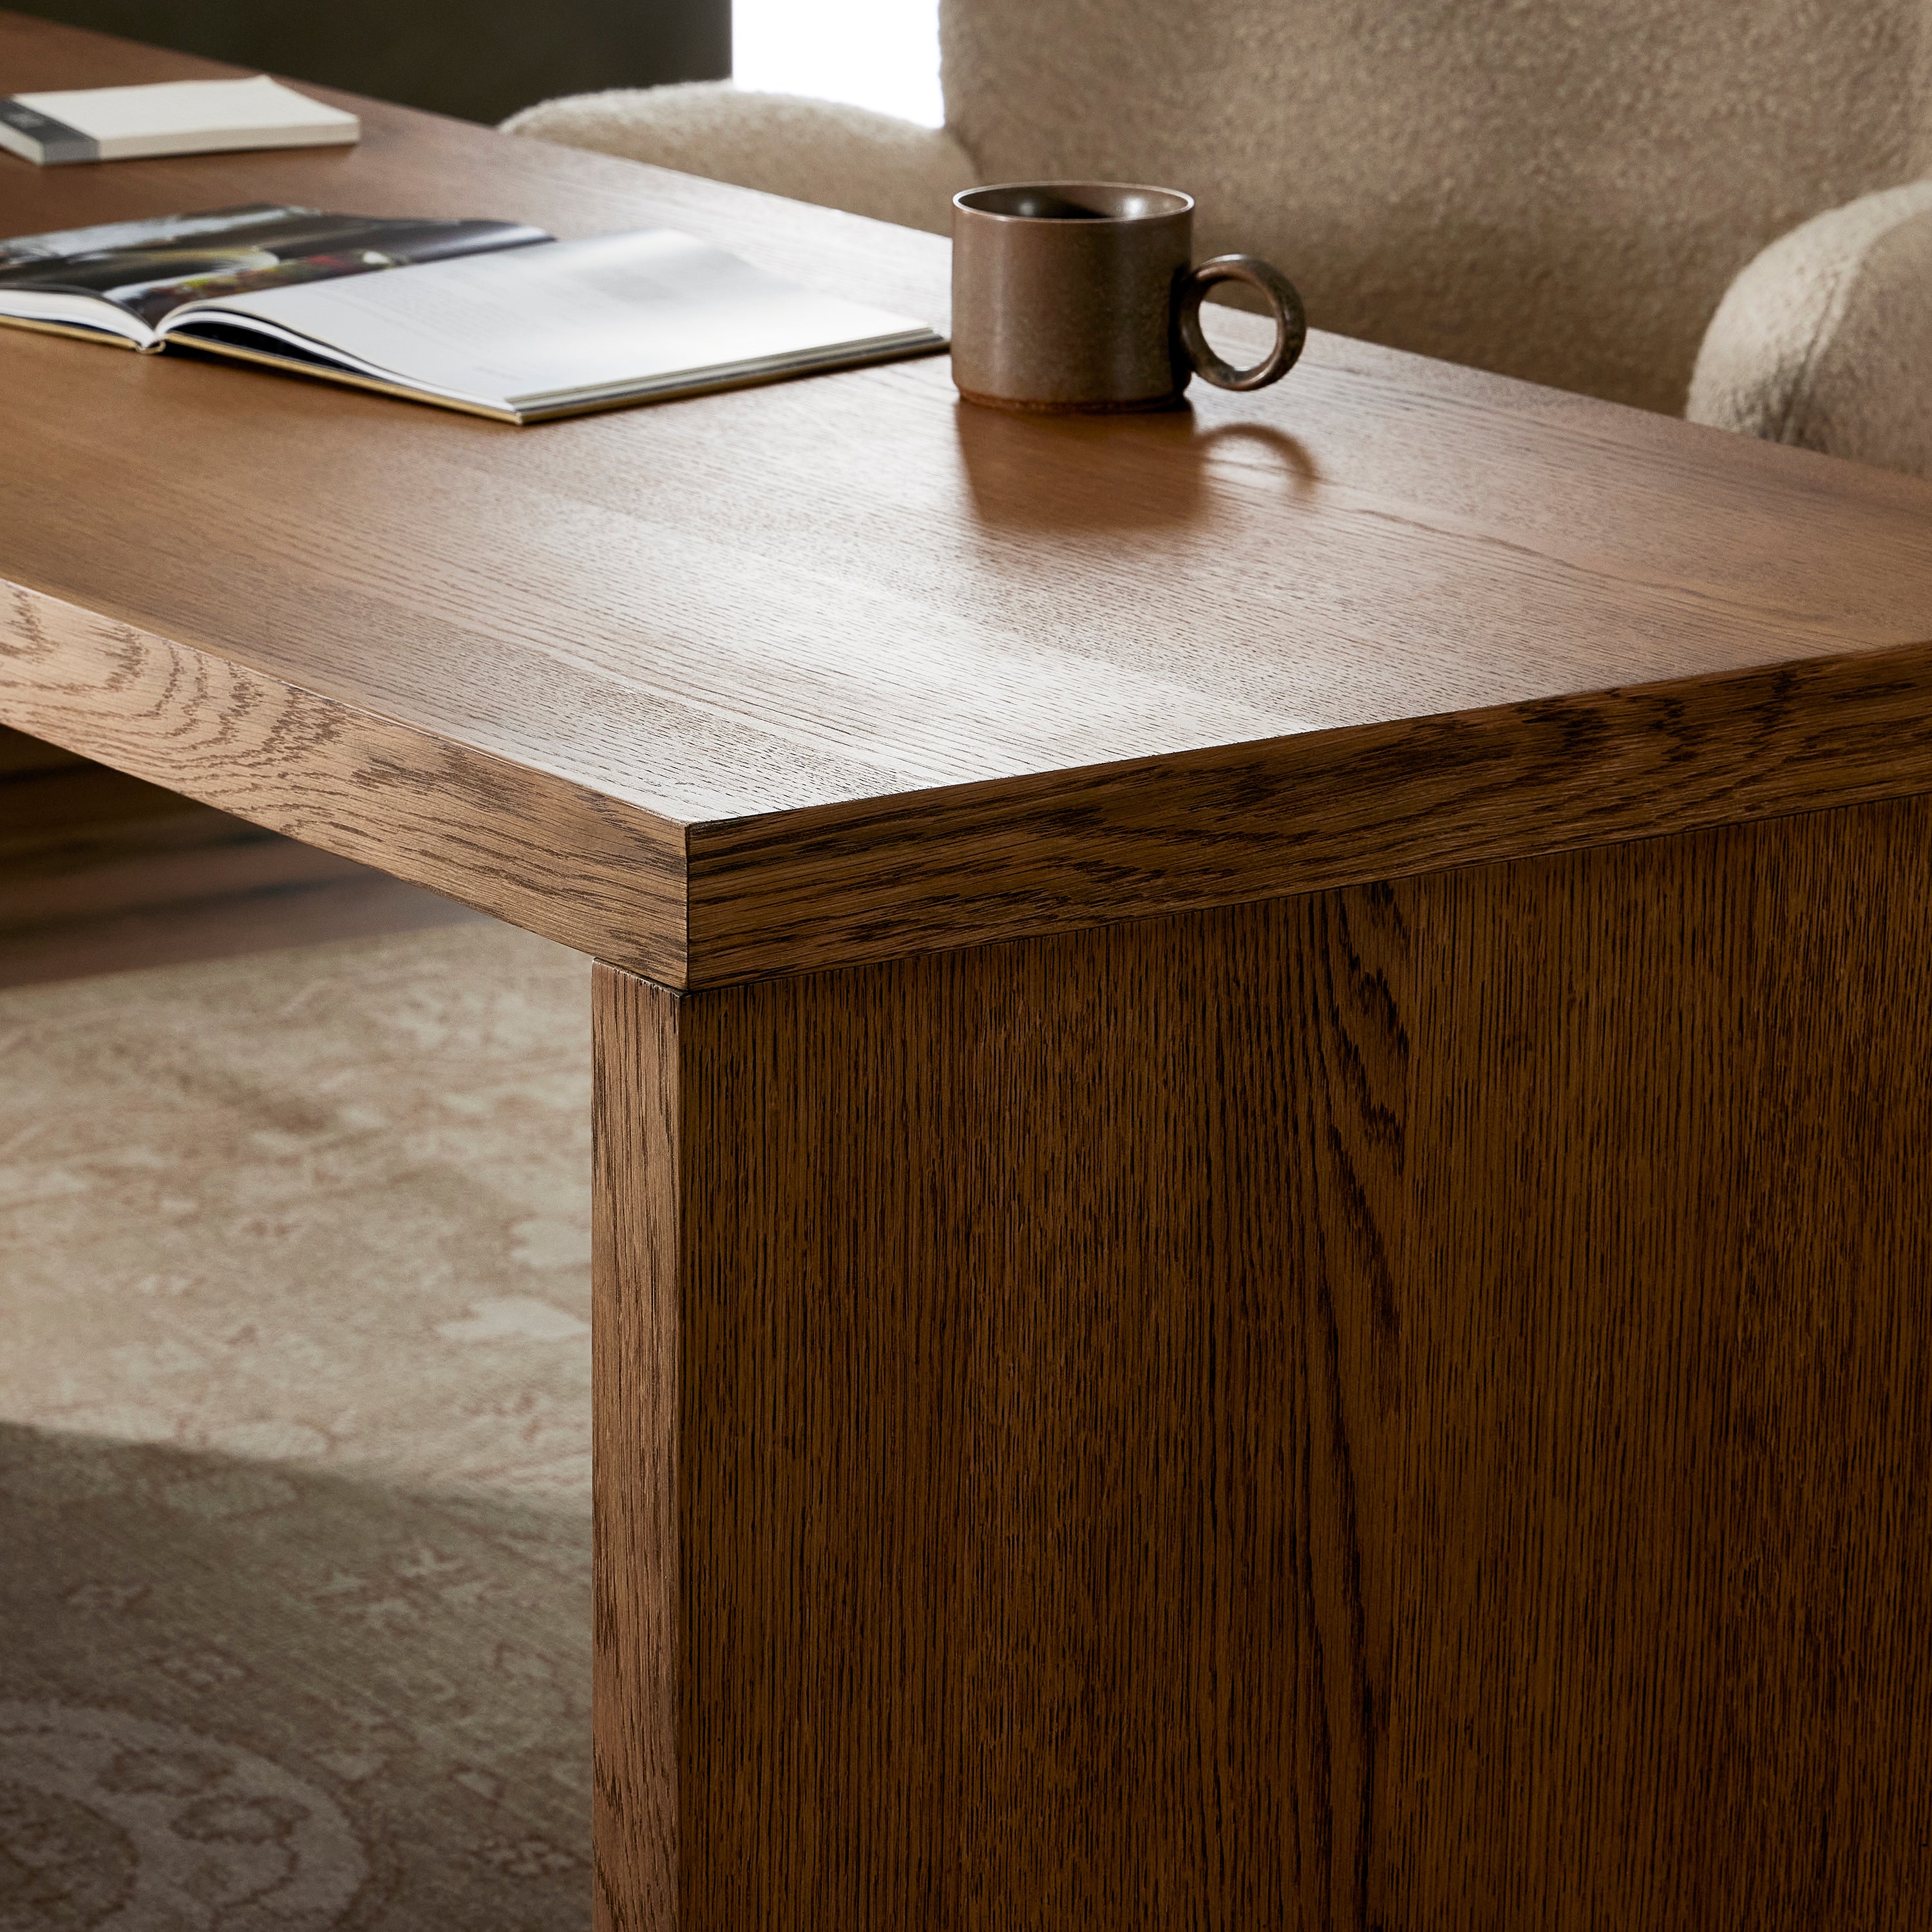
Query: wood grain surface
859	670
559	860
101	873
636	1347
1404	1408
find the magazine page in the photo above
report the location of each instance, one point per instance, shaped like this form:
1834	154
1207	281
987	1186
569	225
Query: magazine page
144	270
618	317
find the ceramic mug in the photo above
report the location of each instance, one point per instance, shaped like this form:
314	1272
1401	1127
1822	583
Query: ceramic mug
1076	296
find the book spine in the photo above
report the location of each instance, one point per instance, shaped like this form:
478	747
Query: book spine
54	140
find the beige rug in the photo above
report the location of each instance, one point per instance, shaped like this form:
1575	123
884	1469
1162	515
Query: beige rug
294	1446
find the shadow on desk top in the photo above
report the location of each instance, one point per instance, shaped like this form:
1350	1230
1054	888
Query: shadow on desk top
1077	475
805	676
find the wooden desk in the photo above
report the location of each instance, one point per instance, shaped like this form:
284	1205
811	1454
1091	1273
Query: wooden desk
1263	1244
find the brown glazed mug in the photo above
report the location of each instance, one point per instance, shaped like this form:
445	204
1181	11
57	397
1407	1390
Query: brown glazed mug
1072	296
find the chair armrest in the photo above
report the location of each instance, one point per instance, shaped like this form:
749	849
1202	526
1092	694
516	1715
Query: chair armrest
1824	341
816	151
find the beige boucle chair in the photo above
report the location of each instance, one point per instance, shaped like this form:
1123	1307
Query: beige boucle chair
1560	192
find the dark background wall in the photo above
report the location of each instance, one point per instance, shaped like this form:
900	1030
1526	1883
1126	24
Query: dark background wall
481	59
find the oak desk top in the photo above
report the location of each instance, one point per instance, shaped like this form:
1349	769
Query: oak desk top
844	668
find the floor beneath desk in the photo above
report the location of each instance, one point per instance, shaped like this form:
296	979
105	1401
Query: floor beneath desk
100	873
294	1423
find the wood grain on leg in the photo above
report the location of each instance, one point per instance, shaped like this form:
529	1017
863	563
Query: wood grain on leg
1406	1407
636	1319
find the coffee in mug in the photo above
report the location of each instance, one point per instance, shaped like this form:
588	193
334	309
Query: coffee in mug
1076	296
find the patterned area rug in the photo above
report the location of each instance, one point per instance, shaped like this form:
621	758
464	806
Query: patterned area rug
294	1443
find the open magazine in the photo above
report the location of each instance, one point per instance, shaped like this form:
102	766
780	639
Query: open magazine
487	317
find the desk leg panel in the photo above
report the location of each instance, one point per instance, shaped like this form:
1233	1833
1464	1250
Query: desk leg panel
1404	1408
636	1314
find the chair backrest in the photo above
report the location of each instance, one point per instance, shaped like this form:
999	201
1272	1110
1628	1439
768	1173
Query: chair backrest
1560	191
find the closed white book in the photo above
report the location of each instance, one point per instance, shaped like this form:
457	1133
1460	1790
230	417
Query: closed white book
173	117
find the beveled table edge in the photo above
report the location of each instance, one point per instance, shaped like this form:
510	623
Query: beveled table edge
689	905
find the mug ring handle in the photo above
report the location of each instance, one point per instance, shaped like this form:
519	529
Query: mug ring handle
1291	321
